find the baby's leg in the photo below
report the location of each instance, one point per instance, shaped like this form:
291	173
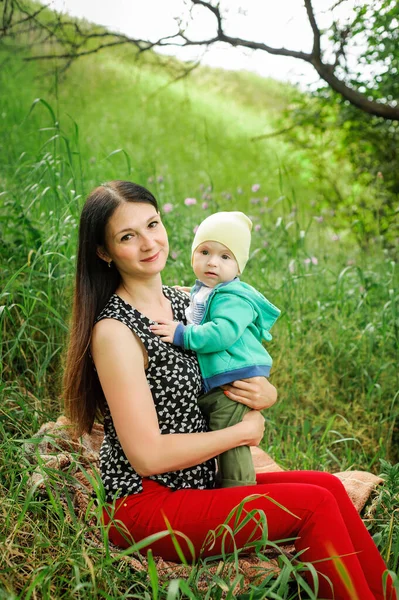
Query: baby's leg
235	466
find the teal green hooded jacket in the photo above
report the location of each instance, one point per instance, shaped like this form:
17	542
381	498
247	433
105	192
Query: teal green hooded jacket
228	342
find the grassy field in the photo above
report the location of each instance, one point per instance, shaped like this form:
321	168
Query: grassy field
335	347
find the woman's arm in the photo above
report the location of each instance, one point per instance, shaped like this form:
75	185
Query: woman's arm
118	356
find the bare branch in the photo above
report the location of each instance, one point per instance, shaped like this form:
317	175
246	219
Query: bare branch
234	41
7	16
325	71
215	10
185	73
343	35
338	3
315	29
72	40
372	107
266	136
29	17
71	55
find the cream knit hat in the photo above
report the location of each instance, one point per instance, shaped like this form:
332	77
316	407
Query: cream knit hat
232	229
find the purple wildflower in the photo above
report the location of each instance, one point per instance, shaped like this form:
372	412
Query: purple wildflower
255	187
204	205
168	207
190	201
257	227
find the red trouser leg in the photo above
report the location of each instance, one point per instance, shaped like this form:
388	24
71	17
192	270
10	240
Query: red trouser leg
367	552
324	522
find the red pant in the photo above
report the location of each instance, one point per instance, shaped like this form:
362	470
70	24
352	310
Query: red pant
324	522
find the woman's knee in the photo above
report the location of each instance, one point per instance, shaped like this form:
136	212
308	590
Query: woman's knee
300	498
329	481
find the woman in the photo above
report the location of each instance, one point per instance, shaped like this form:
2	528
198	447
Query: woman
157	459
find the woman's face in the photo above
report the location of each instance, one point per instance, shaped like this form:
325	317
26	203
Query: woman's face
136	240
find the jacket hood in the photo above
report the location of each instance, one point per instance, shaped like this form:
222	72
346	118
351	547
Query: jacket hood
267	313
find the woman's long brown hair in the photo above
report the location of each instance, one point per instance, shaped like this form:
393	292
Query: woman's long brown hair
94	285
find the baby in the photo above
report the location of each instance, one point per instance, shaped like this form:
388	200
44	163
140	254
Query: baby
227	321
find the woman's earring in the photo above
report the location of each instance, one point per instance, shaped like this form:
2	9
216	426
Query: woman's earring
109	264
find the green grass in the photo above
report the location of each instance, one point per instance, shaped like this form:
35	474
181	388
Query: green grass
335	346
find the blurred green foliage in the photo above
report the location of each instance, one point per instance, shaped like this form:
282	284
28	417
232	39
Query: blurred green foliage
339	131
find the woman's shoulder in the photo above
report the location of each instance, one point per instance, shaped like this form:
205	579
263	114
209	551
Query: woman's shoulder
106	329
112	320
111	308
112	340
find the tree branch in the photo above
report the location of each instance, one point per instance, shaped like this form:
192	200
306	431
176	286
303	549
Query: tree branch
266	136
73	55
72	47
325	70
235	41
215	10
185	72
221	36
316	31
372	107
29	17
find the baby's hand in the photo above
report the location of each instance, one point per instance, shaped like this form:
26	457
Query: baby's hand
165	329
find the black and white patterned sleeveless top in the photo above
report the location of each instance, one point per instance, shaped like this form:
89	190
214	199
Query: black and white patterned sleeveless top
174	379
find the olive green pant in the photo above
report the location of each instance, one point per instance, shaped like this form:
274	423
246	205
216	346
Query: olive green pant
235	466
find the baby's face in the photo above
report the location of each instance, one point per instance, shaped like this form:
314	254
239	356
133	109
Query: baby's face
213	263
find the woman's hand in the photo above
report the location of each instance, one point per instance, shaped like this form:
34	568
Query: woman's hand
256	393
255	423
